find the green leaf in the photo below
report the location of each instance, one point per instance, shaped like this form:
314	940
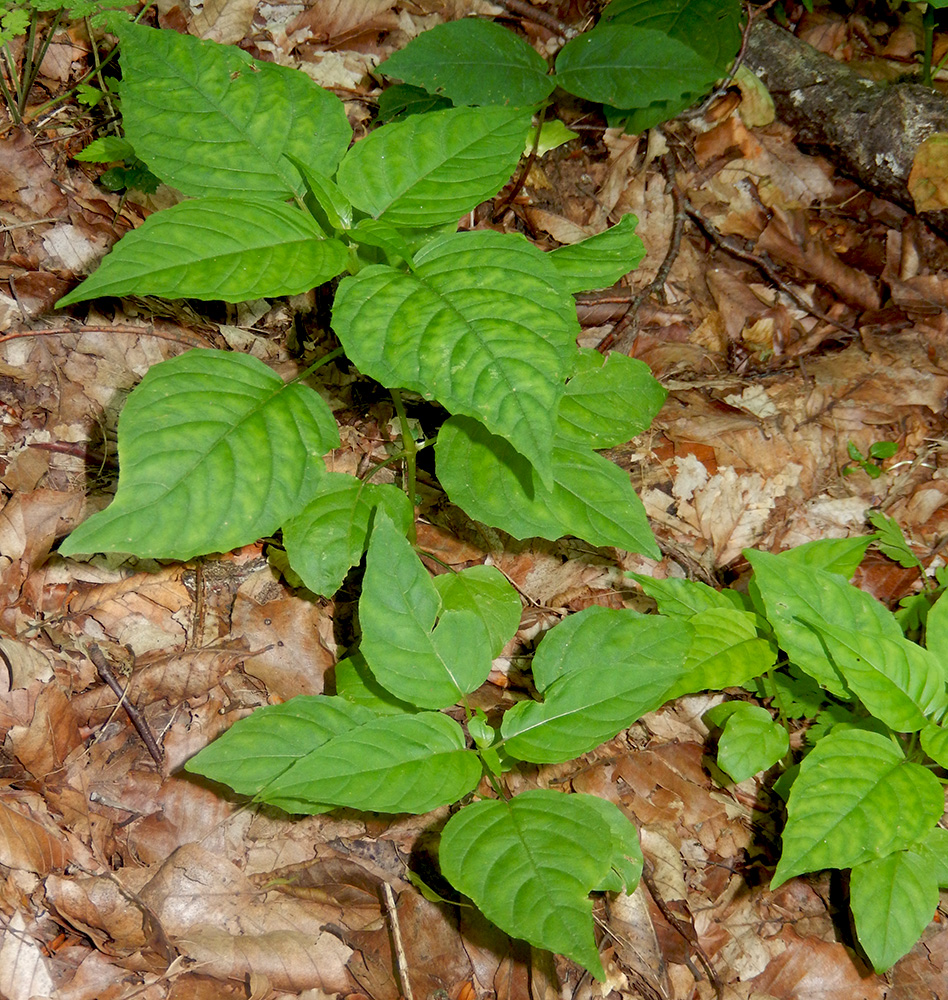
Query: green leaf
933	848
356	683
631	67
934	741
217	248
606	406
627	862
712	28
794	594
898	681
891	542
553	134
403	100
835	555
481	325
259	748
616	672
431	169
108	149
856	798
601	260
893	899
375	233
679	598
473	62
750	741
328	536
215	451
421	663
399	763
590	497
325	201
725	652
530	863
936	628
485	591
209	120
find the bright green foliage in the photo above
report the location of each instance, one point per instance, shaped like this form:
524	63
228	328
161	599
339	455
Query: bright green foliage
632	67
599	261
480	324
328	536
532	861
710	28
218	248
484	591
209	120
419	662
750	740
590	497
432	169
657	57
473	62
843	802
215	451
893	899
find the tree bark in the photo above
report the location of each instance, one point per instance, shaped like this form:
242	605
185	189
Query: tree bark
871	131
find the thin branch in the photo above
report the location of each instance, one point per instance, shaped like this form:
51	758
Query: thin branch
531	13
135	717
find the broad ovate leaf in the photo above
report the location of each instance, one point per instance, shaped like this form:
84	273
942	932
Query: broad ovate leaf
589	497
485	591
397	763
680	598
856	798
893	900
529	863
473	62
725	652
421	653
751	740
259	748
897	680
233	249
607	406
712	28
600	260
215	451
209	120
356	683
481	325
613	672
800	598
630	67
431	169
328	536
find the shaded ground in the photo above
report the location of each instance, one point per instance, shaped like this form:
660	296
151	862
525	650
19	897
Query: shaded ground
122	879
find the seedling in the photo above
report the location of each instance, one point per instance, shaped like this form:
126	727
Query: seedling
217	451
871	464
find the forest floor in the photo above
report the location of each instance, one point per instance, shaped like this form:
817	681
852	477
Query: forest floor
124	878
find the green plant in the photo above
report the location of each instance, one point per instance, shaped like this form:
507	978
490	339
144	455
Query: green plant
216	451
645	61
879	451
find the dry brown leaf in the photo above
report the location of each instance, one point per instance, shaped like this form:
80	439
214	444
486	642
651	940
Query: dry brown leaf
225	21
26	843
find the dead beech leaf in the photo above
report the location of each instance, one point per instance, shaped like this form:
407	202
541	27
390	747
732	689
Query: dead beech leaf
224	21
811	969
27	844
23	966
43	745
928	178
331	20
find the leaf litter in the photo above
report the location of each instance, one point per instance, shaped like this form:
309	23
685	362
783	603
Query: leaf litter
122	879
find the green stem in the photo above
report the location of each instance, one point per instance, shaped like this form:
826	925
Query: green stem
928	32
325	359
409	452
